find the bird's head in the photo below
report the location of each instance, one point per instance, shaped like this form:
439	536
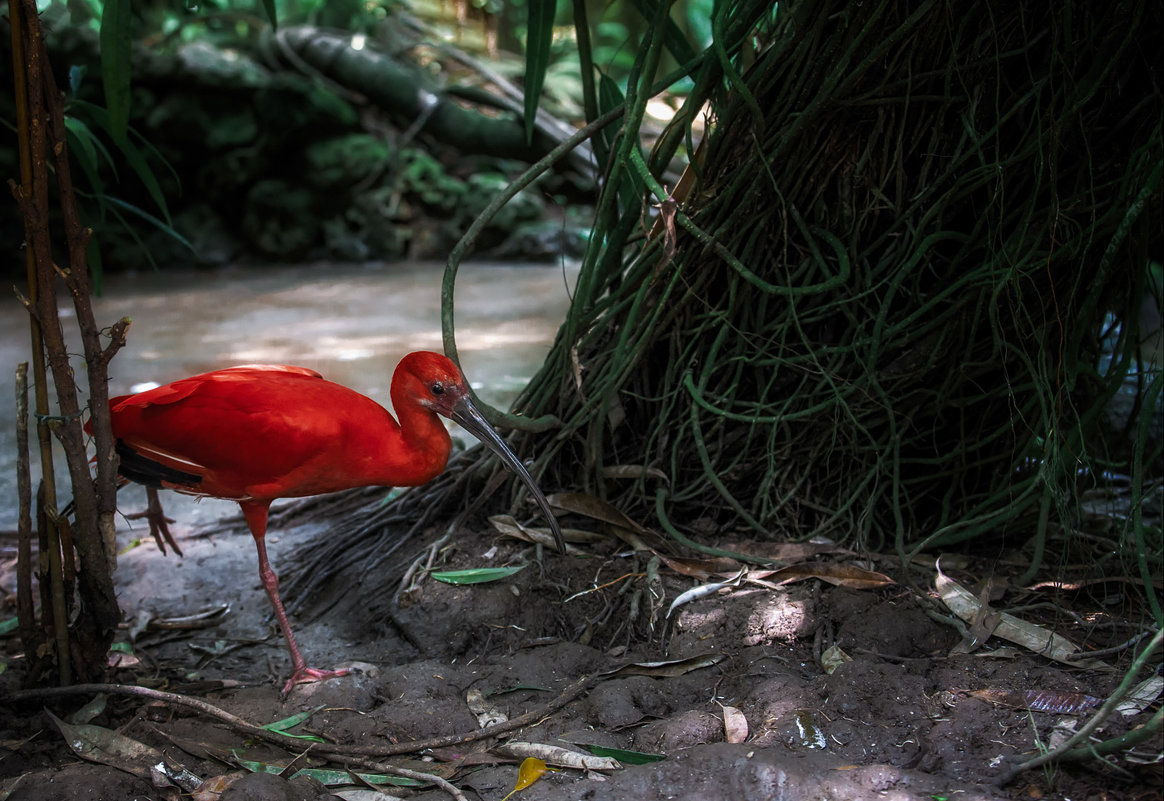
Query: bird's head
430	380
433	382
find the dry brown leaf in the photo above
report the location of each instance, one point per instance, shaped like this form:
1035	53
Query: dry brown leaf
580	503
631	471
668	668
1034	638
701	568
735	725
851	576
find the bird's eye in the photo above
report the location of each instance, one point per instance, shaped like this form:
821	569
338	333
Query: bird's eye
437	389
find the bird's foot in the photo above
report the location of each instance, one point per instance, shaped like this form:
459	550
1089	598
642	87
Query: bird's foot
159	523
306	675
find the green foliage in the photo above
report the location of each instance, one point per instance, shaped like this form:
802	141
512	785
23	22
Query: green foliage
345	160
115	64
875	316
539	36
272	14
84	122
423	177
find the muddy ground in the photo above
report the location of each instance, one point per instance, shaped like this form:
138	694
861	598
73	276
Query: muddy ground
741	709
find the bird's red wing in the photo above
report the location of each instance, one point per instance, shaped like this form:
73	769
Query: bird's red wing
176	391
255	433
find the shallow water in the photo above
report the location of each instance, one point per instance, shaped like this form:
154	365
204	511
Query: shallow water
352	323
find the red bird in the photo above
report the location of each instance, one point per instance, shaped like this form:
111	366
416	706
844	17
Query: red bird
259	432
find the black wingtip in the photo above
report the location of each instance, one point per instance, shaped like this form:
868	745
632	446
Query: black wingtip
144	470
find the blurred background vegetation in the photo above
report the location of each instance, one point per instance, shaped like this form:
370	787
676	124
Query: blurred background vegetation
253	142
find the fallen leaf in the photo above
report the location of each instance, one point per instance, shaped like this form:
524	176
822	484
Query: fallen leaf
1059	703
851	576
985	621
832	658
530	771
207	618
476	575
282	726
624	756
704	590
1141	696
701	568
735	725
99	744
632	471
667	668
213	788
90	710
1034	638
487	714
580	503
507	526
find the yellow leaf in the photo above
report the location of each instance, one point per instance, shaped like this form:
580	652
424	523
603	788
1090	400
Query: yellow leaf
530	771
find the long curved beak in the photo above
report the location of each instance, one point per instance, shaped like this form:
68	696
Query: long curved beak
467	415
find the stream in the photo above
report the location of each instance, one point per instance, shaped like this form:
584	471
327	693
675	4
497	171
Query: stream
352	323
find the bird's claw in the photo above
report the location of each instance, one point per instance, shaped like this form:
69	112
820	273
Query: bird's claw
159	523
306	675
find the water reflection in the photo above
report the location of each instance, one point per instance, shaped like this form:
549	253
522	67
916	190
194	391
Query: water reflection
351	323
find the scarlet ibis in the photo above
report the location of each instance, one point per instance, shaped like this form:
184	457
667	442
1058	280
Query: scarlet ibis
256	433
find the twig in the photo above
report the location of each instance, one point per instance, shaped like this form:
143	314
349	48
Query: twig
383	767
242	726
1115	649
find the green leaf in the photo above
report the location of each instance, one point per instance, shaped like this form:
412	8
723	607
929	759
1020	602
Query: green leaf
165	228
291	722
281	726
9	625
84	150
477	575
115	64
133	156
87	140
255	767
331	778
269	7
626	757
673	38
539	37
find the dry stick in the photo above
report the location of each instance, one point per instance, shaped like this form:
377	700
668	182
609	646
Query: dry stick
26	611
31	197
571	692
235	722
419	775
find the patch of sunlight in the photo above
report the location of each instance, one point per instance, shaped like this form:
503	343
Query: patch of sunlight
778	619
693	618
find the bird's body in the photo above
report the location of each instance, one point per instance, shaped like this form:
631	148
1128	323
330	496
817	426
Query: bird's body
256	433
264	432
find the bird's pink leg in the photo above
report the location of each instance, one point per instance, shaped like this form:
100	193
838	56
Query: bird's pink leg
256	516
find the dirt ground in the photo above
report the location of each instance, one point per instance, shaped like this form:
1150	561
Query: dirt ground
740	707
